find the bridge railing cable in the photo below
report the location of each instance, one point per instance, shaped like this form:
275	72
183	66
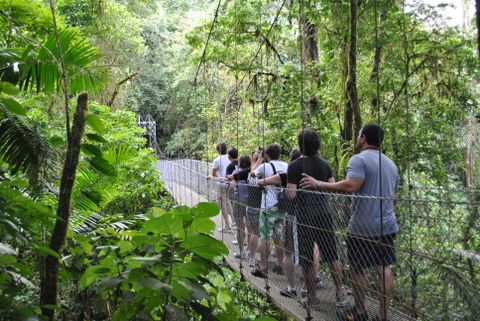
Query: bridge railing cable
436	273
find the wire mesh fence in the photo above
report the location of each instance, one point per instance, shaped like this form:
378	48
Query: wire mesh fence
306	245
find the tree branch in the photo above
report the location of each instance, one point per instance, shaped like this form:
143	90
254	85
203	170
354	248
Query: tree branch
117	88
404	83
269	45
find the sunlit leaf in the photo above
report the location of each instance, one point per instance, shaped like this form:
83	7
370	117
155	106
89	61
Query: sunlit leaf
8	88
205	246
96	123
13	106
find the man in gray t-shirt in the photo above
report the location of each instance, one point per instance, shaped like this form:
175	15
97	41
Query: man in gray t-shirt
369	213
372	228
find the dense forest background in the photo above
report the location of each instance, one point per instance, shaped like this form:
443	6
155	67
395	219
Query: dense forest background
82	211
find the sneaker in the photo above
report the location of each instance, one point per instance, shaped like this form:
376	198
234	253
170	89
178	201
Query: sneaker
252	262
352	314
312	304
303	293
341	301
239	255
319	283
234	242
259	273
278	269
289	293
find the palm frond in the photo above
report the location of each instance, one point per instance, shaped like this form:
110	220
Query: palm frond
23	146
119	155
41	69
82	200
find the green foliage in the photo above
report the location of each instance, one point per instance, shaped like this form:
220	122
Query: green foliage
21	221
41	69
32	17
162	269
22	145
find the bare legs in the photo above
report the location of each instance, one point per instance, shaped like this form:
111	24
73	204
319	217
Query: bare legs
226	208
385	289
336	272
385	278
253	230
240	221
289	269
264	254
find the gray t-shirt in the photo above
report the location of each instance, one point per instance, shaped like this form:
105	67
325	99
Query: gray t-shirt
366	218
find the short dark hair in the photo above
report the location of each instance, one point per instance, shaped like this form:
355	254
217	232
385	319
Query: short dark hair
308	142
295	154
233	153
273	151
244	162
373	134
222	148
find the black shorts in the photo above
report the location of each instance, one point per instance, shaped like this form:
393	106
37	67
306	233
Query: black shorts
366	252
325	239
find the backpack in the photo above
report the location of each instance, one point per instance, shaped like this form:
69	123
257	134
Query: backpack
282	200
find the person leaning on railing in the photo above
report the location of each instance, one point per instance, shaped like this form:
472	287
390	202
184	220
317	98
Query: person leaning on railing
290	237
219	171
239	178
373	225
314	217
271	218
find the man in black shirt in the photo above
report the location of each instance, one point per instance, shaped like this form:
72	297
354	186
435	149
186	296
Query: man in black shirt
314	218
233	158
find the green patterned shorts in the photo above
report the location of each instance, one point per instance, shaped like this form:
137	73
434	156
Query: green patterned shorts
271	224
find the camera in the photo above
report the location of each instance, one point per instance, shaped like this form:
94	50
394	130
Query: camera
262	151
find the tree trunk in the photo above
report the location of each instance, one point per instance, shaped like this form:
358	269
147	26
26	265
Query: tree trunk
352	71
469	184
49	282
477	13
310	42
347	133
310	56
377	59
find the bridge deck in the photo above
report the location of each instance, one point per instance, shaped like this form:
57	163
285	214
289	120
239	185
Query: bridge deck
327	310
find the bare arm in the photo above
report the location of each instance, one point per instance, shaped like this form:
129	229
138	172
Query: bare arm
271	180
349	185
215	172
257	164
291	190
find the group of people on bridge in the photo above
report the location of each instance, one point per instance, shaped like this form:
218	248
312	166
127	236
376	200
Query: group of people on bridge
270	200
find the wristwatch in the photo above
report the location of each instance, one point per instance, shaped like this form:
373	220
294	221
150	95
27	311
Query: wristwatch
318	184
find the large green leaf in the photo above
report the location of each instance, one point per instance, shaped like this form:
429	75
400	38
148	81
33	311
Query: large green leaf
96	123
91	274
205	246
167	224
204	209
8	88
13	106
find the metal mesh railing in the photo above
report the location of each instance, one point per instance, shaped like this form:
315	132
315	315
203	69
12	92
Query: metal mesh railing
436	266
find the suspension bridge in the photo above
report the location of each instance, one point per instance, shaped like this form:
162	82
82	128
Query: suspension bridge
187	182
